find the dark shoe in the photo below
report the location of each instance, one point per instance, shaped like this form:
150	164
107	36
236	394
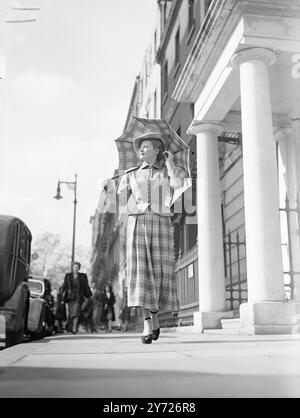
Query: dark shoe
155	334
146	339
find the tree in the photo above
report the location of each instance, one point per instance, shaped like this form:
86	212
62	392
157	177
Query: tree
54	258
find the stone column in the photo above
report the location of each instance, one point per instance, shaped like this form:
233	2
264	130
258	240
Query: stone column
266	311
210	236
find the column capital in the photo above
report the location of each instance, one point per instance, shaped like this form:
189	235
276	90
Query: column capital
250	54
205	126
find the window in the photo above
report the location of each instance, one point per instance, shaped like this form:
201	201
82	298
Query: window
165	12
191	231
207	4
191	13
177	47
165	79
28	242
22	244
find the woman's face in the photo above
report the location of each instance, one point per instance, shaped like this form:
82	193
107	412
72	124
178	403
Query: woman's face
147	152
75	268
107	289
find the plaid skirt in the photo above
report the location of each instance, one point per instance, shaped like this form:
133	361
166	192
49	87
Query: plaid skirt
151	280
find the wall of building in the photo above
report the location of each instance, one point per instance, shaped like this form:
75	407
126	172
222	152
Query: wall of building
233	214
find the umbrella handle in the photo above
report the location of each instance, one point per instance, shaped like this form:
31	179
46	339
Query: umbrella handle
126	172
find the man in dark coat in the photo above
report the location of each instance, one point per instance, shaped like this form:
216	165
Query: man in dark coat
75	289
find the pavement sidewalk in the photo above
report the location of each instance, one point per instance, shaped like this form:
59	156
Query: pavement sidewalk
177	365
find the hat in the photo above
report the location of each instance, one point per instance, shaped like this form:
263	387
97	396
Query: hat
149	135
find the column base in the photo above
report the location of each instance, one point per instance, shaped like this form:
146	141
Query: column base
210	320
269	318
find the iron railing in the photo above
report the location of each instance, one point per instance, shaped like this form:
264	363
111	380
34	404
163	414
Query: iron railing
291	272
235	270
186	275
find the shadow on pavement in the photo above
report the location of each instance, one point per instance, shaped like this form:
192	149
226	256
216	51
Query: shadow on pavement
108	383
235	341
70	337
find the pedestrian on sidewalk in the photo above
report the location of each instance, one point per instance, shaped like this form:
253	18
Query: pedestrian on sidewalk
97	299
124	312
86	315
75	289
108	311
60	311
150	244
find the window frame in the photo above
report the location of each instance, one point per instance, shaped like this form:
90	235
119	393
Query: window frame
165	80
191	9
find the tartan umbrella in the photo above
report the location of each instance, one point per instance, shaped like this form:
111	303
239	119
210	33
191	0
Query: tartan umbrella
128	157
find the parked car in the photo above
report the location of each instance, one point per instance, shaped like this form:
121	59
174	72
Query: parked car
15	247
41	309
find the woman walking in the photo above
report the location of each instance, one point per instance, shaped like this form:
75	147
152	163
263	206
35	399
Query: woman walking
75	289
108	311
149	191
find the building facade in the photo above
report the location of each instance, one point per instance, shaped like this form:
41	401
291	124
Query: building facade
239	75
229	77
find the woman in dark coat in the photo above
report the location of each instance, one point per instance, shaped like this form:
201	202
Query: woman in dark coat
108	311
75	289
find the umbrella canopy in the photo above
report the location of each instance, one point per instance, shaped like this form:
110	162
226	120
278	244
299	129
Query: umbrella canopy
128	156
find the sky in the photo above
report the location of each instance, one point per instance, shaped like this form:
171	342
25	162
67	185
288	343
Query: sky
64	96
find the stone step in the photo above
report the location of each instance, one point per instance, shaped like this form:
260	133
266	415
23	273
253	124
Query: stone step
220	331
230	323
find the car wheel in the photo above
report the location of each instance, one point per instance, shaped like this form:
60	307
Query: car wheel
11	338
16	337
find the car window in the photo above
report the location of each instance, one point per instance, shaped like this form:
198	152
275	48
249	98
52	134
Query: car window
36	287
22	247
27	245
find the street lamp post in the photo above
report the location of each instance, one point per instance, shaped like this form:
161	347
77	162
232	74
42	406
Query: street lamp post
72	185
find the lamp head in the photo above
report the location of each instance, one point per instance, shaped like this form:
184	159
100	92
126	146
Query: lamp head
58	195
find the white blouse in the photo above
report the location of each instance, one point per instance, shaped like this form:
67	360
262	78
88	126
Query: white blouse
149	189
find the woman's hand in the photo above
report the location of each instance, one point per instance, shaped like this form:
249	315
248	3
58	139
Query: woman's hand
169	157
